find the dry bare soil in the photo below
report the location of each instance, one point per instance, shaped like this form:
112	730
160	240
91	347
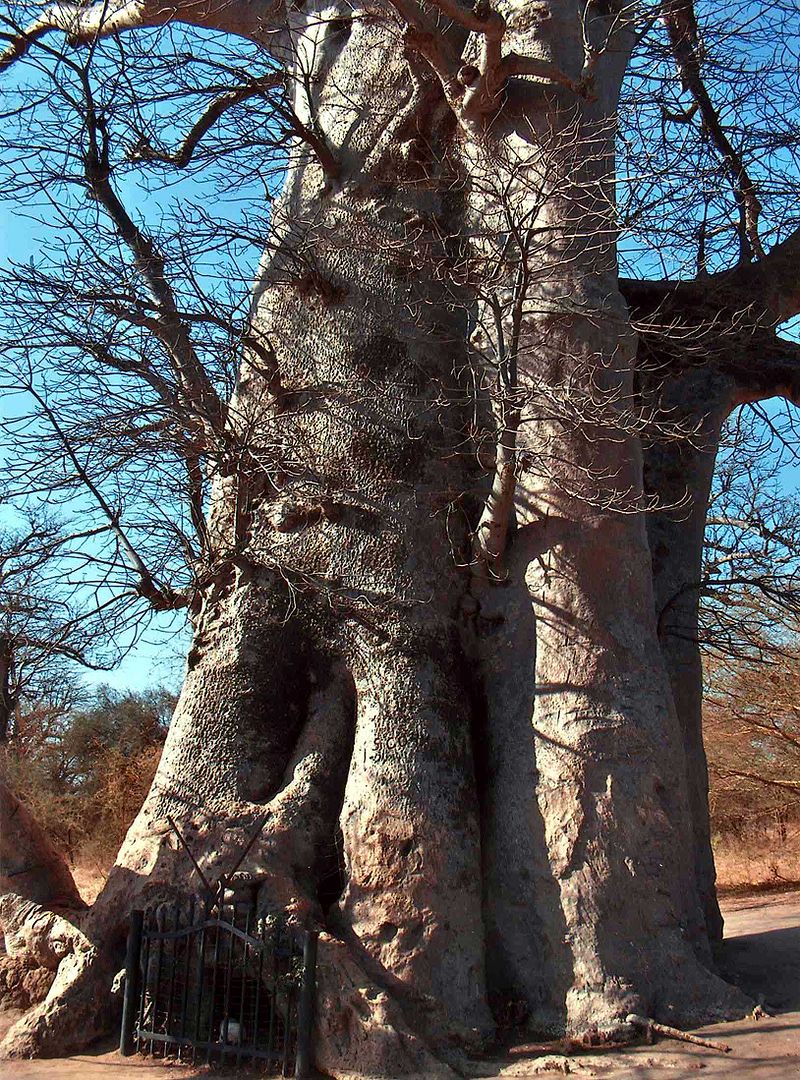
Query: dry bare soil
761	954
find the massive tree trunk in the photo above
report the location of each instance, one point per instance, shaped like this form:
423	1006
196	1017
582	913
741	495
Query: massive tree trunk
592	890
488	727
704	351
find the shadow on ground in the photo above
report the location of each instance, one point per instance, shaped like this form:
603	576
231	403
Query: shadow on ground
766	966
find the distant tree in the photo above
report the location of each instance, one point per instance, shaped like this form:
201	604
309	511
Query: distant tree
753	737
748	603
84	771
42	632
41	638
749	584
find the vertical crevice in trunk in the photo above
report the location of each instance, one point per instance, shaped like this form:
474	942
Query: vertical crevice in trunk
528	965
304	812
332	871
330	866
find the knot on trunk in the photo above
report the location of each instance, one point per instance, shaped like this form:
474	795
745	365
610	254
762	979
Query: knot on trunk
286	515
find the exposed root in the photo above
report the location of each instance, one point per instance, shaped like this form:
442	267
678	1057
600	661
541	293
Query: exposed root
36	934
78	1006
360	1024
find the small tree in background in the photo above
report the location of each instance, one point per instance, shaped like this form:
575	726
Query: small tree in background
84	771
753	737
752	729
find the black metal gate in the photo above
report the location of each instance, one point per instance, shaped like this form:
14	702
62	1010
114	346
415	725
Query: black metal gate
207	981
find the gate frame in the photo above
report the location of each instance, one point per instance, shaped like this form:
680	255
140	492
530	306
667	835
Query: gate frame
304	1056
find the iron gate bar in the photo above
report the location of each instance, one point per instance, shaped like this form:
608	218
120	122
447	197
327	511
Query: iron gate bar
173	966
214	965
201	971
159	951
187	967
188	851
288	1028
308	995
219	1048
227	999
256	1011
262	821
131	992
272	1000
245	949
167	935
143	996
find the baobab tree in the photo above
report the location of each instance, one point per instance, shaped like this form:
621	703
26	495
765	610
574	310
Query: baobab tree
454	500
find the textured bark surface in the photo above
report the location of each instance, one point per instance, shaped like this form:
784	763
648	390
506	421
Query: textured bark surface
611	901
494	749
79	1005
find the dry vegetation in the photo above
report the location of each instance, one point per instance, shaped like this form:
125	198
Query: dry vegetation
765	856
84	770
752	726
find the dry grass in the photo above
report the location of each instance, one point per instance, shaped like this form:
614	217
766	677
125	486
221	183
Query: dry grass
758	858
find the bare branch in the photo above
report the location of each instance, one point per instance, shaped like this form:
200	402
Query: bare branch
161	598
491	535
681	23
480	19
86	23
171	329
790	785
183	155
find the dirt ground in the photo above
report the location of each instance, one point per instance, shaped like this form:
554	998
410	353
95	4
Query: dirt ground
761	954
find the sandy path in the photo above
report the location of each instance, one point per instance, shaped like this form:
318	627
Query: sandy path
762	954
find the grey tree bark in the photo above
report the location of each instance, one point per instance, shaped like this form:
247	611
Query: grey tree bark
681	473
742	361
489	726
